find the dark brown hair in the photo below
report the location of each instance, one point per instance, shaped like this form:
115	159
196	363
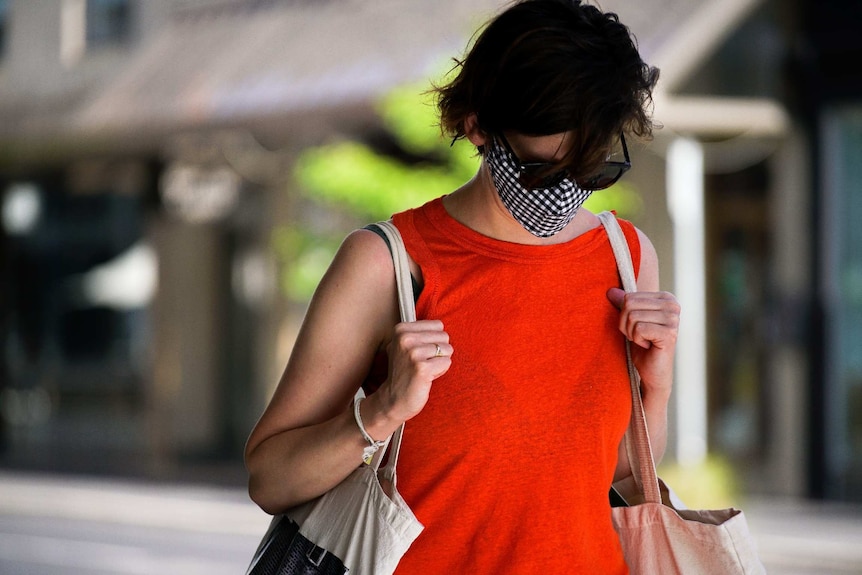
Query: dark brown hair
549	66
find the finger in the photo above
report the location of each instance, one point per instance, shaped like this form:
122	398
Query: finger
649	333
642	300
409	339
658	316
616	297
650	300
651	308
648	326
419	333
439	349
648	336
423	325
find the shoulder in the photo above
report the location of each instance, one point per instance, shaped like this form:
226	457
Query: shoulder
364	248
359	286
363	261
644	255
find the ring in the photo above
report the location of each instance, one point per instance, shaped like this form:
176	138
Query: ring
439	352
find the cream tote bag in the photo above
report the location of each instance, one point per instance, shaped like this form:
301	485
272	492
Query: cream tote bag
658	536
356	526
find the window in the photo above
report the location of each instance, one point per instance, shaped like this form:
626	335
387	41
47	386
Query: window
4	26
92	24
108	22
75	346
842	206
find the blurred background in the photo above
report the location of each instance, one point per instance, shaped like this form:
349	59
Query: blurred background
175	176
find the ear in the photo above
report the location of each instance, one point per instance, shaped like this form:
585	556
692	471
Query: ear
473	132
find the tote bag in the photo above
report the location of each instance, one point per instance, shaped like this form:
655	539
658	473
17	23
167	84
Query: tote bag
658	536
362	525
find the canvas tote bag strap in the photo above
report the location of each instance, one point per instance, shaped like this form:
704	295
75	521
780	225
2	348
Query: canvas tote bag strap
407	307
402	270
638	445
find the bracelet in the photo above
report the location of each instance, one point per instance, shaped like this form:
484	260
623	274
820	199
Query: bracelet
373	446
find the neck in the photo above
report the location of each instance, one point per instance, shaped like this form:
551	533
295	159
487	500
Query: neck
477	205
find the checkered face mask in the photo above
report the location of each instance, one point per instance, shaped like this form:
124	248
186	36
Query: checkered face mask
543	211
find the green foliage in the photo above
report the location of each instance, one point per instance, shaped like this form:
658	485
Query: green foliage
410	113
304	256
622	197
711	484
351	177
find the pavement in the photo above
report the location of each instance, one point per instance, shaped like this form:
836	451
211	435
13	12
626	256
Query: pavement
803	537
794	537
182	507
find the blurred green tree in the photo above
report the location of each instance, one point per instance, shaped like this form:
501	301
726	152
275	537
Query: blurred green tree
375	185
371	182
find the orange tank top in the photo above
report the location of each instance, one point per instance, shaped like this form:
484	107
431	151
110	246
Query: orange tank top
508	466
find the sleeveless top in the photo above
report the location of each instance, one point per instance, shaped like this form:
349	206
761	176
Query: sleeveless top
508	466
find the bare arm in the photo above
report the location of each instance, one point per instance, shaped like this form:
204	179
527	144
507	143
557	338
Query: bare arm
649	318
307	440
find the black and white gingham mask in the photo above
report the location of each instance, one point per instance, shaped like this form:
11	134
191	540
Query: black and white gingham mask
542	211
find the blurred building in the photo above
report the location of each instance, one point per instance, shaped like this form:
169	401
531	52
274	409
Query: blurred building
145	153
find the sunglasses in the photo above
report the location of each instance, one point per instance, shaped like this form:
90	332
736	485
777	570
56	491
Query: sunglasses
534	175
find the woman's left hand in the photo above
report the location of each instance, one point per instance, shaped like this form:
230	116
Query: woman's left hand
650	320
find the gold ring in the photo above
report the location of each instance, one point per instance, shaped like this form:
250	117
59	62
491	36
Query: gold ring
439	352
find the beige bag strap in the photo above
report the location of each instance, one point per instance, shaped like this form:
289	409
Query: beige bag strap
407	307
402	270
638	445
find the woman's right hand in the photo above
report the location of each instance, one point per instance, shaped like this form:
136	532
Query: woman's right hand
419	352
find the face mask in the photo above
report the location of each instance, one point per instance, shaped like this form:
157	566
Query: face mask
542	211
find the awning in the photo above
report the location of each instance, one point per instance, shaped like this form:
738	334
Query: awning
282	61
302	61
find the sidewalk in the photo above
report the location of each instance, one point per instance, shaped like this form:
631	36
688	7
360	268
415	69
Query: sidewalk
199	508
807	538
794	537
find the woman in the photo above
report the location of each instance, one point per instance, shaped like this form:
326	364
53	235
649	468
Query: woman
514	378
